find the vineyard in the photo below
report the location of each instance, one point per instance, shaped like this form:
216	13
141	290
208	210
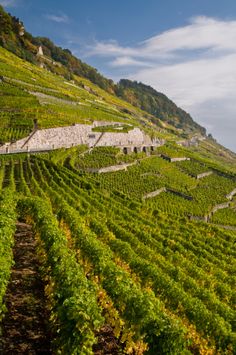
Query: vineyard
159	282
103	252
193	168
184	194
29	92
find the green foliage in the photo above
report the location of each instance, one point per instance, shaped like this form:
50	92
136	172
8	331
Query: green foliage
26	47
169	283
63	63
139	309
164	275
28	93
7	229
113	128
157	104
193	168
187	266
75	304
225	216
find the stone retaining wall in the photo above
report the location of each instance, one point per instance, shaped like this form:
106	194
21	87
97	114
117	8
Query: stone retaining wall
109	169
166	189
179	193
208	217
200	176
220	207
66	137
231	194
172	160
198	218
154	193
131	138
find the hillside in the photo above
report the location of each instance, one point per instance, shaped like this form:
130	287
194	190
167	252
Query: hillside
17	40
30	93
124	270
157	104
123	243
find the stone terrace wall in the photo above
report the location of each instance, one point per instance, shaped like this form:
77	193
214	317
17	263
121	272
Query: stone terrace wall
66	137
131	138
174	159
54	138
220	207
109	169
154	193
231	194
200	176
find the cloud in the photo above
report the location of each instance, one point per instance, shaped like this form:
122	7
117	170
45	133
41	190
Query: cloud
128	61
194	65
202	33
195	81
9	3
62	18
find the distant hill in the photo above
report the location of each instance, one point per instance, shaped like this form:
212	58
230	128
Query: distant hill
157	104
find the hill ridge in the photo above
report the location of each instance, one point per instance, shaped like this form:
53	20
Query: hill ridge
43	52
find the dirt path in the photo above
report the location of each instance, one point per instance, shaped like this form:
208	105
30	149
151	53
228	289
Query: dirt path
107	343
24	327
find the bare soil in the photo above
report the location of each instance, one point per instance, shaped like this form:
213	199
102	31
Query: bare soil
107	343
25	324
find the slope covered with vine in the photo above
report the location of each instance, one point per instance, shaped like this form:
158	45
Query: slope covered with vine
162	283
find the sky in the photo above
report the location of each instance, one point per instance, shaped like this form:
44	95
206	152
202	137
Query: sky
185	49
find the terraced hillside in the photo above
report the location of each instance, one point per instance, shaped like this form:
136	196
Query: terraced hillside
44	53
32	96
142	272
105	250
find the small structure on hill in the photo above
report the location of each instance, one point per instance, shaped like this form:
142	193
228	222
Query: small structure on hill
21	29
40	51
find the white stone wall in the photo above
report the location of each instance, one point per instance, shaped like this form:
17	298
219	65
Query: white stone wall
200	176
109	169
154	193
178	159
54	138
65	137
231	194
131	138
220	207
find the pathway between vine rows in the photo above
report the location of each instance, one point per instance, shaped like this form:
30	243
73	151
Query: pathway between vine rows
24	326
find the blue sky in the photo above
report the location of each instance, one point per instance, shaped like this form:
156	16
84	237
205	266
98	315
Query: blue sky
185	49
